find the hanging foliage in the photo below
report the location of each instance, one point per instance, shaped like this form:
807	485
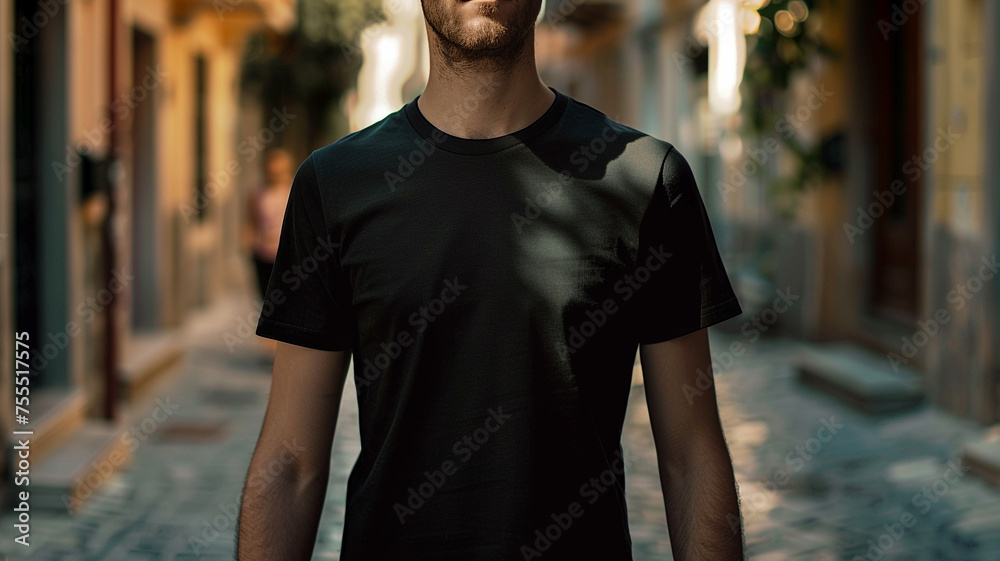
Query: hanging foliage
312	66
788	42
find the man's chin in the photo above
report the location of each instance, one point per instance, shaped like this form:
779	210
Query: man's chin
480	30
484	33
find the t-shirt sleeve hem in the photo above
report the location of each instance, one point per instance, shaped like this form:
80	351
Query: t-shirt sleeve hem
295	335
710	316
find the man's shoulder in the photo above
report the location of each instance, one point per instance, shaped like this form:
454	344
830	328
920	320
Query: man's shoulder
364	147
593	132
588	117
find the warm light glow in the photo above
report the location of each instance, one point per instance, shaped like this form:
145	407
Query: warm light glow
387	48
799	10
723	24
725	97
785	23
751	22
390	55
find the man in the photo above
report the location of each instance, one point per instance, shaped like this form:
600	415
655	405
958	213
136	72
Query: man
265	211
491	256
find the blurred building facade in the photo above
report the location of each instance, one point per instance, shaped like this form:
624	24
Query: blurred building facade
895	248
122	141
908	237
121	157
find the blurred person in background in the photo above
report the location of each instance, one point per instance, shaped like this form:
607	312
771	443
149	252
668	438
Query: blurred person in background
265	210
492	256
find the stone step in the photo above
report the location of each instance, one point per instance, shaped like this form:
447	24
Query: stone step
68	476
148	359
860	377
983	459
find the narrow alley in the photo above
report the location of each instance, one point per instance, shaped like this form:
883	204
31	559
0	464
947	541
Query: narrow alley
818	480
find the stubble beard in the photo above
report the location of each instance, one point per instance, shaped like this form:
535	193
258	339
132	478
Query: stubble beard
490	46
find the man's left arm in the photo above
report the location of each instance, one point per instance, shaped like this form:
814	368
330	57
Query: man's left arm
696	470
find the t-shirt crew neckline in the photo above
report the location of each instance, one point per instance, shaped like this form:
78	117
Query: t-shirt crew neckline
475	146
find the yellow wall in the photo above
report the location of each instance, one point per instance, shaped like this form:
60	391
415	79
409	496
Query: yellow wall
957	81
205	241
184	242
189	253
6	216
960	372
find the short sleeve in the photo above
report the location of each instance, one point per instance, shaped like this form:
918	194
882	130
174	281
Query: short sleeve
688	287
308	297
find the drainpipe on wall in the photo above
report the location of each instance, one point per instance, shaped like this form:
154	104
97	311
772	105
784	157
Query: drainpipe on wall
108	232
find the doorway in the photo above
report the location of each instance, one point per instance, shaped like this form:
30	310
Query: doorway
146	241
895	89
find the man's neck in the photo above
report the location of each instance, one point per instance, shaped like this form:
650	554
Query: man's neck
484	100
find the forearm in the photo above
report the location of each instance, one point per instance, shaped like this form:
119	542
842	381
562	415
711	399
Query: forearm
702	506
279	515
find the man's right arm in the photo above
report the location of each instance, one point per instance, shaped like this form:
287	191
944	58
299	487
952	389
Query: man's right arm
286	483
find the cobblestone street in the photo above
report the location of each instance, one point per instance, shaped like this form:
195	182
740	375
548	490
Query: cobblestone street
818	480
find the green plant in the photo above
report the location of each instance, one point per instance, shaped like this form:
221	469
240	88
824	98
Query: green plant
312	66
788	42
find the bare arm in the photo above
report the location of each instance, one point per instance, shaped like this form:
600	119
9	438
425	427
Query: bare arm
286	483
696	471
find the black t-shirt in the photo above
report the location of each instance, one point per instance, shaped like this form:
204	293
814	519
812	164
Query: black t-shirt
493	294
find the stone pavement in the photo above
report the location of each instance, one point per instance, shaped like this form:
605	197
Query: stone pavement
818	481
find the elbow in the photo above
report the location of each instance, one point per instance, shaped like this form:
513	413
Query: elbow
697	456
288	468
